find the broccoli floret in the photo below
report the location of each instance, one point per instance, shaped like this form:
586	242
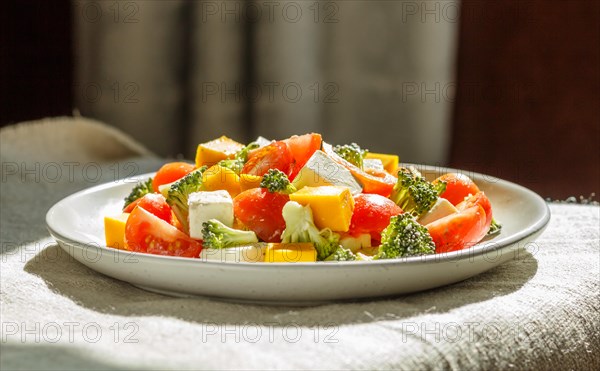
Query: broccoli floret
341	254
237	162
243	153
232	164
177	196
404	236
216	235
300	227
275	181
140	190
352	153
495	227
414	194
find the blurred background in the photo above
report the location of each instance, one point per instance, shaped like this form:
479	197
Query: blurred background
508	88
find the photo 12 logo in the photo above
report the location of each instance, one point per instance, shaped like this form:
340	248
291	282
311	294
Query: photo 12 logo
431	11
269	11
67	171
269	332
453	332
49	252
270	92
69	332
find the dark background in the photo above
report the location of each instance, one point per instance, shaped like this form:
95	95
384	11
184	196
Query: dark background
528	92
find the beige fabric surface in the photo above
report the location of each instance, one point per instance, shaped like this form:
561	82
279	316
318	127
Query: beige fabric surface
540	311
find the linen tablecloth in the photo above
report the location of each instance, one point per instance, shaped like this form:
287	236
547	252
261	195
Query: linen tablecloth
538	311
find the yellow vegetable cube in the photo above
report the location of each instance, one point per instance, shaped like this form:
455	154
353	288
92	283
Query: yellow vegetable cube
217	178
249	181
114	230
390	162
290	253
210	153
332	206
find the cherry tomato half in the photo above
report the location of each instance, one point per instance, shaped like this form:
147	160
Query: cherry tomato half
260	211
459	230
458	186
302	148
276	155
145	232
171	172
480	199
155	204
372	214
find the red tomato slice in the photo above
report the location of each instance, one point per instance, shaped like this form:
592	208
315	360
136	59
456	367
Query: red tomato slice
458	231
379	173
372	214
260	211
145	232
154	203
276	155
480	199
458	186
171	172
302	148
132	205
381	183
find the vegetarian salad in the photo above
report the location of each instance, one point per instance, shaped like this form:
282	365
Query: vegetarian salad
298	200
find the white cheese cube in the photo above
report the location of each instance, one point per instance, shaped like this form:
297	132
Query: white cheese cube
373	163
262	141
440	209
321	170
209	205
250	254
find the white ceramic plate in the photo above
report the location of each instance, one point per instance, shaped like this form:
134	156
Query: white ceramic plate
76	223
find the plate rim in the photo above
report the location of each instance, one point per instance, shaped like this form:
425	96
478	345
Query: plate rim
483	247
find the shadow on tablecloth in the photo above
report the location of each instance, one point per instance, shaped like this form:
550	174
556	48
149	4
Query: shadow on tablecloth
28	357
67	277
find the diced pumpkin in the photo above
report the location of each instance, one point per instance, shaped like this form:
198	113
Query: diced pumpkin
290	253
114	230
217	178
249	181
390	162
332	206
210	153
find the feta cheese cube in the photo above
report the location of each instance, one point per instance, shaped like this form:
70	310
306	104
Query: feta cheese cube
373	163
321	170
440	209
262	141
209	205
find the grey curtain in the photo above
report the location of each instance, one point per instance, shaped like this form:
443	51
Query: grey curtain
174	73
